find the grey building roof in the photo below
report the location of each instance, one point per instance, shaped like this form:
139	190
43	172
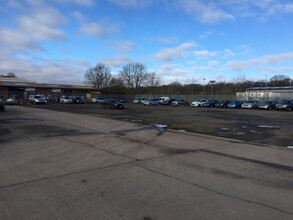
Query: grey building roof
17	82
270	88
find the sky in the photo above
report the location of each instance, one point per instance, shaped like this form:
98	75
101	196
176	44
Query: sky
186	41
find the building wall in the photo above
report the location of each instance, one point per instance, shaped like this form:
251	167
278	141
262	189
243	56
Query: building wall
265	95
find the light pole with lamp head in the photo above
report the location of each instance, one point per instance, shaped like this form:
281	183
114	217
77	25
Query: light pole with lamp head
212	82
204	84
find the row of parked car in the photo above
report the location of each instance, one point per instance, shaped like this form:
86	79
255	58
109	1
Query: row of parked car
160	101
251	104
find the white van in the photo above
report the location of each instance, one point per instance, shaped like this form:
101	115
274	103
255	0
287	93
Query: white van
164	99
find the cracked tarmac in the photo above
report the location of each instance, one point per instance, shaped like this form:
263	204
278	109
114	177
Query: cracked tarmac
57	165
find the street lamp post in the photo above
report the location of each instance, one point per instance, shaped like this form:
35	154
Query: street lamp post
212	82
204	84
290	88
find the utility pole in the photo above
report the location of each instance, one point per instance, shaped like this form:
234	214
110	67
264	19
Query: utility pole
204	84
290	88
212	82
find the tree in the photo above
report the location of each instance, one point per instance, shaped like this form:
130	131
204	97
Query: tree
98	76
153	80
134	75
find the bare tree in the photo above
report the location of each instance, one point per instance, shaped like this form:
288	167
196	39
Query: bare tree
134	75
98	76
116	82
153	80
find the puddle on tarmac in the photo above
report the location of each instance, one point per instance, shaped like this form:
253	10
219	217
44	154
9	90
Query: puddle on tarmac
290	147
225	129
240	133
269	126
160	127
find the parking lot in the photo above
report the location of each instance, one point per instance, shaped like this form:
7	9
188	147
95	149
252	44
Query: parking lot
59	165
257	126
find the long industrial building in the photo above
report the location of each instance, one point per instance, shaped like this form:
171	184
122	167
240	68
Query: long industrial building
266	93
22	88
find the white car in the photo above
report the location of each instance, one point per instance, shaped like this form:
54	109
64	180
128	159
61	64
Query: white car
66	100
198	103
97	100
36	99
164	99
138	101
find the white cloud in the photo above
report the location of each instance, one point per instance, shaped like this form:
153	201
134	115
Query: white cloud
78	16
39	24
205	35
124	46
116	61
239	65
42	24
275	70
46	71
100	30
205	53
132	3
166	40
206	12
168	54
173	73
229	52
221	10
213	63
15	4
86	3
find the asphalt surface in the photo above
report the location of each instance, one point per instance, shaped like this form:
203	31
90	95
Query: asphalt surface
257	126
60	165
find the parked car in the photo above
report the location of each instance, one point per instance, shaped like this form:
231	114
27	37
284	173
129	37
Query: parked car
85	99
222	104
112	103
210	104
97	100
236	104
66	99
250	104
2	107
152	102
286	105
138	101
36	99
164	99
11	101
178	102
198	103
77	100
268	105
167	102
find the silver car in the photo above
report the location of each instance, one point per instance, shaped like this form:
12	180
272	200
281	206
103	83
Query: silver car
36	99
152	102
66	100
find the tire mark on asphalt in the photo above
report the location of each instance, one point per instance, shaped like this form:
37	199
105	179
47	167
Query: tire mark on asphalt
214	191
65	175
264	163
